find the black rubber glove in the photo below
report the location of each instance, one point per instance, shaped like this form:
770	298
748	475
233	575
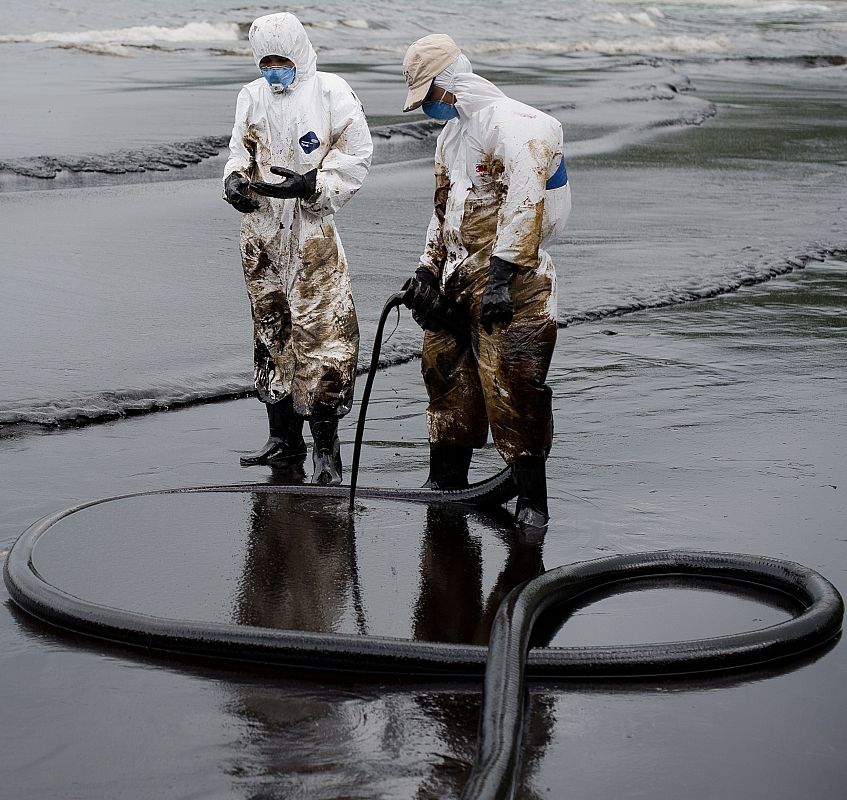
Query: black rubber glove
497	306
292	185
234	187
421	297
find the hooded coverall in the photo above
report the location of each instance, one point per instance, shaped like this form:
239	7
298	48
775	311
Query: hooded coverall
492	166
306	335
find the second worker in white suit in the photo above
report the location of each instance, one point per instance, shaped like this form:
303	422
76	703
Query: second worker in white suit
501	194
300	149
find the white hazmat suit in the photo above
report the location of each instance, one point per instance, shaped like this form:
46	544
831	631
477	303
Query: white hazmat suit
492	168
306	331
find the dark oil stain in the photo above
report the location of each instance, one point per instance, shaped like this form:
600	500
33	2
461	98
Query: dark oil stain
445	364
340	142
456	413
322	379
256	262
542	154
516	360
528	240
272	317
436	249
479	225
249	143
478	229
257	145
317	253
491	167
333	386
272	333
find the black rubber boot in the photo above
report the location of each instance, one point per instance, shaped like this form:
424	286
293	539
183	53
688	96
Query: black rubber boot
531	479
448	467
285	440
326	453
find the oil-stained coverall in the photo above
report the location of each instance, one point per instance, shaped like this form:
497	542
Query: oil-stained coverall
493	164
306	331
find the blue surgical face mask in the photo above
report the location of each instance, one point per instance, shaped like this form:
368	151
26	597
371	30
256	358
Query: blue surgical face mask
279	78
438	109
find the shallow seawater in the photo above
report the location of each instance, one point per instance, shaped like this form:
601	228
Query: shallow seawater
713	426
694	172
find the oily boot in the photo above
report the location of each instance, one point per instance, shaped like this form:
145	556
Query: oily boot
531	479
448	467
285	439
326	453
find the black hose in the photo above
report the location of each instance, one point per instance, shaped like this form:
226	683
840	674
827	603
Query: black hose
453	320
819	621
395	301
494	491
506	660
497	761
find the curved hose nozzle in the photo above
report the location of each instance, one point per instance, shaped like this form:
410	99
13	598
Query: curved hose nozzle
437	310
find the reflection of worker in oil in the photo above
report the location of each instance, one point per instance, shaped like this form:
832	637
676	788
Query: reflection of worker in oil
300	566
501	194
451	608
300	573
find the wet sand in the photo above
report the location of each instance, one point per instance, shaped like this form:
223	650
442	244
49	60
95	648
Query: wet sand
715	425
145	305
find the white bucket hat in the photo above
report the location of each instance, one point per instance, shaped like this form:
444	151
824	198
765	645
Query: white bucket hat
424	59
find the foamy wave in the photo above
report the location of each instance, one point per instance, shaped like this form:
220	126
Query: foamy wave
655	44
106	406
763	6
709	286
632	45
642	18
102	49
780	7
332	24
138	35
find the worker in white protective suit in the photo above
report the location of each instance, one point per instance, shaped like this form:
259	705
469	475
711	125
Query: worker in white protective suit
501	194
300	149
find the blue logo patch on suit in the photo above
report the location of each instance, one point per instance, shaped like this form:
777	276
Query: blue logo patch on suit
309	142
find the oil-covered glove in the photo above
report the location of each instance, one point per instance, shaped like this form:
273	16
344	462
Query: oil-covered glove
293	184
234	187
432	310
422	296
497	306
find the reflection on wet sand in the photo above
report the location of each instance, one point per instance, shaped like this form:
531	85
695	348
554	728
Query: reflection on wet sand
300	564
451	608
300	572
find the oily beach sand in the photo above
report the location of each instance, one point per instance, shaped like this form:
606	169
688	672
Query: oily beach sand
710	426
